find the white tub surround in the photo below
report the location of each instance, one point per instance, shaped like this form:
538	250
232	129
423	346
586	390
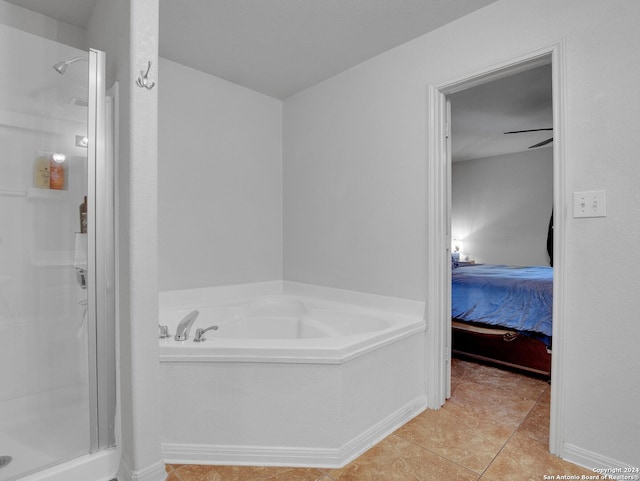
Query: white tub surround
324	382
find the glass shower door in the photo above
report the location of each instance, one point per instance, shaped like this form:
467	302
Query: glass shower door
47	330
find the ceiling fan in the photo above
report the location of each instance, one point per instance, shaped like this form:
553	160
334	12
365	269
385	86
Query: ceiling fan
539	144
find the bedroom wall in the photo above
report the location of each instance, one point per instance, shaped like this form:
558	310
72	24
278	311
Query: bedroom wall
220	182
500	207
355	200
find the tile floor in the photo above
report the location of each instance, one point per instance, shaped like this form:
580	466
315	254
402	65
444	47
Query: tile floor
495	427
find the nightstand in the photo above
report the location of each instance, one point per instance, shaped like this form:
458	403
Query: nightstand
468	263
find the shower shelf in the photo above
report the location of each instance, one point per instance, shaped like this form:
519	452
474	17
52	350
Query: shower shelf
47	194
52	258
34	193
6	192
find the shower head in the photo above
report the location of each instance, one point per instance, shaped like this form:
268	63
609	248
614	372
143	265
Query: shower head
61	67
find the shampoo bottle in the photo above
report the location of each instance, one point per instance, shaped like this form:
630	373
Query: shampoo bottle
83	216
41	173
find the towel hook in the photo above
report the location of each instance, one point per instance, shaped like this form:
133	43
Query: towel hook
143	80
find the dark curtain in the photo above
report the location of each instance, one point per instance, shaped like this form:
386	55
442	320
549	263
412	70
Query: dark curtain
550	241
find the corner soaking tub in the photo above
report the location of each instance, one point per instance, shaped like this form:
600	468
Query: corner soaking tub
287	380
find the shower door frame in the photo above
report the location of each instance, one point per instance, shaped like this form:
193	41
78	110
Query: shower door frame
101	245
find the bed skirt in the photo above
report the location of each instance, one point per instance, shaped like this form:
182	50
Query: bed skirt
501	346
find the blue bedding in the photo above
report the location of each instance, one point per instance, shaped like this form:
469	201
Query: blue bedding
514	297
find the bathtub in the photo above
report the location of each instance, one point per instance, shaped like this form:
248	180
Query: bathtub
287	379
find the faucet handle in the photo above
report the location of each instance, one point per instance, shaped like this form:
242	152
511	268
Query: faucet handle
164	332
200	333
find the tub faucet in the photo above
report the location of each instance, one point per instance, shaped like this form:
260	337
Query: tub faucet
200	333
182	333
164	331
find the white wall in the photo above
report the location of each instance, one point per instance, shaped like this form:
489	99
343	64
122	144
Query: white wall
220	182
500	207
354	175
127	30
355	200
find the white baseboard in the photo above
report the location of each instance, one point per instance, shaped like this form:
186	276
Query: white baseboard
292	456
248	455
590	460
155	472
381	430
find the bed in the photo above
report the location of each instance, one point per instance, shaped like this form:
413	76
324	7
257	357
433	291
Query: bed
503	315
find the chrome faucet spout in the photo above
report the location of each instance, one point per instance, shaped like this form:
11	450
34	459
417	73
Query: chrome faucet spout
182	333
200	333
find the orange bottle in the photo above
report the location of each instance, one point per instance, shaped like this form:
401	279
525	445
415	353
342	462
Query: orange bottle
56	172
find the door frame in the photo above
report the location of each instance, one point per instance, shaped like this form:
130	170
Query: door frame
100	248
438	307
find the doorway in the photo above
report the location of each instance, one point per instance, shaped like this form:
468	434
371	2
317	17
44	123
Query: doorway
439	226
501	205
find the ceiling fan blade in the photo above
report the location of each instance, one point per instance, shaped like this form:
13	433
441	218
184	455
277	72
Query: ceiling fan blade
530	130
540	144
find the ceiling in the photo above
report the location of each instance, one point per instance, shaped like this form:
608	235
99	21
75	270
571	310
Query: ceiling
480	115
281	47
74	12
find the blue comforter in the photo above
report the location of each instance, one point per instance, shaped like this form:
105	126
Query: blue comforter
519	298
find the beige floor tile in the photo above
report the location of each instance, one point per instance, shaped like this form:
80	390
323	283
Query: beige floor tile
194	472
489	402
429	466
395	459
545	398
525	459
452	433
460	367
536	424
172	477
458	372
519	384
380	463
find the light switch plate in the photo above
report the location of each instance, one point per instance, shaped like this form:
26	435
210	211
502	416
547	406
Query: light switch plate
591	203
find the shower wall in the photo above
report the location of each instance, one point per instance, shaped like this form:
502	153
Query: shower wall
220	181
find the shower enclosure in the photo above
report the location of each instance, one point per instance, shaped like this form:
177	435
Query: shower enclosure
57	369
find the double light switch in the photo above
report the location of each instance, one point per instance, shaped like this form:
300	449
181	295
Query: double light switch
591	203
